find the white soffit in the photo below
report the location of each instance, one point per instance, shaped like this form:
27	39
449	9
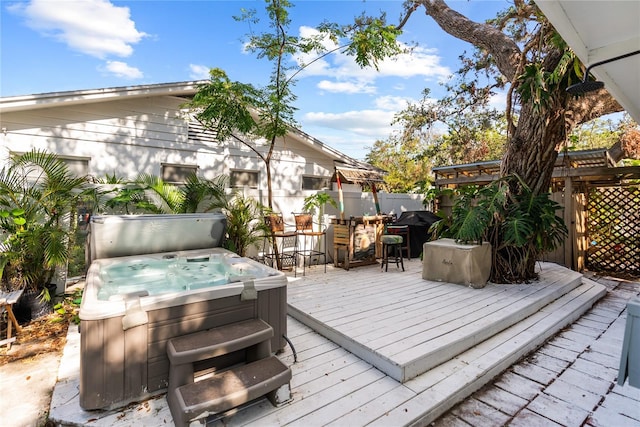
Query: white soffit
598	30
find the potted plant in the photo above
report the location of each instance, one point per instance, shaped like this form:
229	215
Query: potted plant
317	202
245	226
37	195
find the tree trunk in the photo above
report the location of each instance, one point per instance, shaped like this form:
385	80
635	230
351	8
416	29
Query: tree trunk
269	186
532	149
531	154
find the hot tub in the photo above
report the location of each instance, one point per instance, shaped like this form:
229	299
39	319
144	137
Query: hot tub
133	304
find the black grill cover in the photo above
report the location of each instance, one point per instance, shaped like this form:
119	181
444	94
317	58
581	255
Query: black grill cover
419	223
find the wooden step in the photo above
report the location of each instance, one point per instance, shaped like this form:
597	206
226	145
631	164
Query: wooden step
217	341
439	389
229	389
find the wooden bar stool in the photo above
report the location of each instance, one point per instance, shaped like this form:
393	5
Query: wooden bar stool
304	228
283	244
402	230
391	242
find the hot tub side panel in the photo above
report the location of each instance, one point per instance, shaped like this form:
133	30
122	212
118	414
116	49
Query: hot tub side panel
272	308
113	364
119	367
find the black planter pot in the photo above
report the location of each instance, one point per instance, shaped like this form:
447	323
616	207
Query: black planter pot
32	306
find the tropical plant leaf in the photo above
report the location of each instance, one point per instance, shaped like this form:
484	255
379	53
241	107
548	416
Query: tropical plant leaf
472	226
517	229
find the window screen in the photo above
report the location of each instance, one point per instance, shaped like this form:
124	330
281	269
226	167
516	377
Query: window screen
177	173
315	182
244	178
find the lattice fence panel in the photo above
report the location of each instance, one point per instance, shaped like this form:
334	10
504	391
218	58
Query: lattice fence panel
613	224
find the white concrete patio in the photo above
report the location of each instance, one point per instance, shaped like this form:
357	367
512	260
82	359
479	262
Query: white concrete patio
402	351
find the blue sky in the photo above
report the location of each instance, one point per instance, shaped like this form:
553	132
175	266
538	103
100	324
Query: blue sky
61	45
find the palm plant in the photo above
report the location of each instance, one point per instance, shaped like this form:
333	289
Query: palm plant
517	224
150	194
245	226
37	195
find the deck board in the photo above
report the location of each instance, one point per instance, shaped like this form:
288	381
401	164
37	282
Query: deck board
402	323
327	393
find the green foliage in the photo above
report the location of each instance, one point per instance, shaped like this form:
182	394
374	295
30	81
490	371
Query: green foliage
111	179
317	202
372	40
150	194
247	113
597	133
473	133
37	195
76	265
408	171
507	214
518	53
225	107
68	308
534	86
245	226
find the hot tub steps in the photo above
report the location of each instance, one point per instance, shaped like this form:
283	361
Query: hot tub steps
262	374
230	389
219	341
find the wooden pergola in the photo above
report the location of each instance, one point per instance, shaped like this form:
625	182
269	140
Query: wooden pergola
597	167
574	174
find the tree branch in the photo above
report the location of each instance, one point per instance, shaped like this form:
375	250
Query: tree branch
588	107
504	50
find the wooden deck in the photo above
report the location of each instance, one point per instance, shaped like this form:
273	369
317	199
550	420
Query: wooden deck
404	325
402	351
383	325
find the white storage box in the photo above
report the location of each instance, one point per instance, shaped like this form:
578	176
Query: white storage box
444	260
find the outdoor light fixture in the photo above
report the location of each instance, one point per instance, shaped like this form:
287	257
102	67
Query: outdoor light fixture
590	85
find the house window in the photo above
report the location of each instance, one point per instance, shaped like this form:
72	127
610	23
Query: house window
177	174
315	182
242	178
77	166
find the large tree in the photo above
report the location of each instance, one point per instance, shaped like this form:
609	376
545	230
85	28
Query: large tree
518	51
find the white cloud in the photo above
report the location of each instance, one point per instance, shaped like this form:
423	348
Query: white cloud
364	127
93	27
371	123
357	86
392	103
123	70
342	74
198	72
499	101
418	62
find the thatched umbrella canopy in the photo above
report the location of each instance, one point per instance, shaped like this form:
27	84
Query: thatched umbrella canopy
362	174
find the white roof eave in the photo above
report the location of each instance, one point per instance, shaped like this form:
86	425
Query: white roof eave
46	100
598	30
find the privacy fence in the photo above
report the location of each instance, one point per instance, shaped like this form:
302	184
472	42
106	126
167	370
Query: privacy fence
613	229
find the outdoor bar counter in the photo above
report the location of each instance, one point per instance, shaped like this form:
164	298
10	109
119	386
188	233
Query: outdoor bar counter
356	240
